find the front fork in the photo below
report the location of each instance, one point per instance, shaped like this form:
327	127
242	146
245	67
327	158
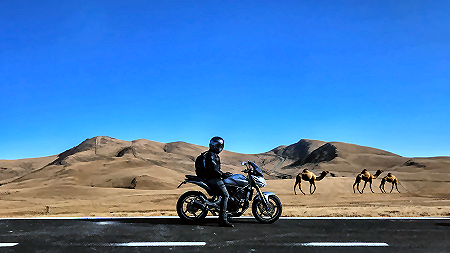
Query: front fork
262	197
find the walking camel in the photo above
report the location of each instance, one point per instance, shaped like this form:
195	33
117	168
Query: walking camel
366	177
310	177
391	179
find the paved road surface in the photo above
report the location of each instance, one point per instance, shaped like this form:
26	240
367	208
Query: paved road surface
168	234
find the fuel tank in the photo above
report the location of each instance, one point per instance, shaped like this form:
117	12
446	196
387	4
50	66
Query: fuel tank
236	179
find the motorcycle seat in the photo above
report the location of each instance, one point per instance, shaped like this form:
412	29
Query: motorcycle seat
208	188
196	178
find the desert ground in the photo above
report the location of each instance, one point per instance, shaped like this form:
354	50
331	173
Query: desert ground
108	177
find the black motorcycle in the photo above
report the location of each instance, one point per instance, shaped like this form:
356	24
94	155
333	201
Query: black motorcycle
193	206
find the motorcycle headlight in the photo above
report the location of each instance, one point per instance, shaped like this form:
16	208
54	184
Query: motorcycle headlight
260	181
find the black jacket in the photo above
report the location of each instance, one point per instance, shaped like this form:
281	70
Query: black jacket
207	165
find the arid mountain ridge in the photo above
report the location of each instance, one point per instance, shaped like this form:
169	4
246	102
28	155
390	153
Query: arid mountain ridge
341	159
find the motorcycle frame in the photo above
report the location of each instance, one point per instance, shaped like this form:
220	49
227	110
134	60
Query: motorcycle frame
263	196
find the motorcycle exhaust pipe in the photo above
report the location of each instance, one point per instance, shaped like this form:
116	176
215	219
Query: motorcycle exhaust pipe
199	205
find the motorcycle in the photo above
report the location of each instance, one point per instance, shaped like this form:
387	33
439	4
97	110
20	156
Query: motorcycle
193	206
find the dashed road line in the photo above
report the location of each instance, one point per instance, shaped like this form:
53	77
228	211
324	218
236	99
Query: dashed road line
8	244
156	244
201	244
193	244
345	244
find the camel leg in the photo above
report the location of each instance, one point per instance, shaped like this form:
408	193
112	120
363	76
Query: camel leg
357	187
396	187
300	187
312	184
357	181
394	184
365	182
382	188
370	185
298	181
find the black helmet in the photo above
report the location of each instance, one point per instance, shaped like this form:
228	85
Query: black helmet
216	144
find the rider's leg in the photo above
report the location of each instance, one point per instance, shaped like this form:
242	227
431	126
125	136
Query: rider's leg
223	205
219	186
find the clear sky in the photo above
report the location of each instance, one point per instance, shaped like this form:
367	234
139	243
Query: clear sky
258	73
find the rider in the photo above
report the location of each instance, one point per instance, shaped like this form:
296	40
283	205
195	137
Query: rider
207	166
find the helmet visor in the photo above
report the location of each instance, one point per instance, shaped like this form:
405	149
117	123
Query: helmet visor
217	145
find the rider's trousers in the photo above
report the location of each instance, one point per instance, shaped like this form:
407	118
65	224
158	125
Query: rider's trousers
219	186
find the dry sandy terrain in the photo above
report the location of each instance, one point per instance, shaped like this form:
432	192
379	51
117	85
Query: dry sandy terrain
108	177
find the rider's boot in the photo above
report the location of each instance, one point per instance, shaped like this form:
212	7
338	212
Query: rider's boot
223	221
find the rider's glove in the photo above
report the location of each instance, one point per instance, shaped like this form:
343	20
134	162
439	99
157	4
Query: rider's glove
227	174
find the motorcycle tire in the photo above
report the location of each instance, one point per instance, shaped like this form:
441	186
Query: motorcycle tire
188	207
267	215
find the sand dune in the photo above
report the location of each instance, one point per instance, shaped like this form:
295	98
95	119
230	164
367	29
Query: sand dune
104	176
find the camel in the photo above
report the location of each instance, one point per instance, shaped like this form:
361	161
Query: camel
391	179
310	177
366	177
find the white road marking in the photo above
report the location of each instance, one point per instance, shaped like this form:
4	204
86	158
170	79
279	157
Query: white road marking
310	244
8	244
157	244
345	244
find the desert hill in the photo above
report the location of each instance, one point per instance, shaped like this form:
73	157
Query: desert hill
103	173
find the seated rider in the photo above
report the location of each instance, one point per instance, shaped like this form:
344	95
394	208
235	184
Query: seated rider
207	166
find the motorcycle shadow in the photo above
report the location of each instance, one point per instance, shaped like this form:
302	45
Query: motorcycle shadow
209	221
212	221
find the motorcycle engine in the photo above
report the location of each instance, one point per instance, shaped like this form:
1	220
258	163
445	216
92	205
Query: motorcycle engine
236	192
237	196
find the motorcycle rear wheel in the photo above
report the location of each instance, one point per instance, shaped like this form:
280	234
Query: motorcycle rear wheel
189	206
270	214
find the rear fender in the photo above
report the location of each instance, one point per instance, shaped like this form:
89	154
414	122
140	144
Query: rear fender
199	183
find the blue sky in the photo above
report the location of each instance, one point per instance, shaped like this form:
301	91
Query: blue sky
258	73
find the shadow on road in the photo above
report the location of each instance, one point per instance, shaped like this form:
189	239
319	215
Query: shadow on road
208	221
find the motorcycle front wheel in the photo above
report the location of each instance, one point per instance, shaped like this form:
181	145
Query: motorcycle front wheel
268	214
189	206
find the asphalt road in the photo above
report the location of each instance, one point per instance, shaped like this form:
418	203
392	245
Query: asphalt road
156	234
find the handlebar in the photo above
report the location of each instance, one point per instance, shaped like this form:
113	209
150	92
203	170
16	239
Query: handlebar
248	169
